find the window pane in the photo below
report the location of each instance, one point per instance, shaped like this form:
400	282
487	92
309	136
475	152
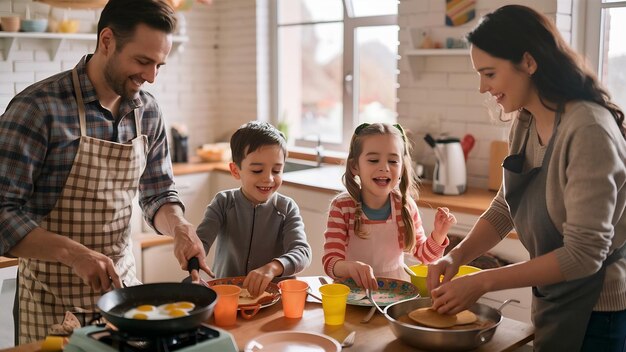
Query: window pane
614	56
377	52
310	71
298	11
374	7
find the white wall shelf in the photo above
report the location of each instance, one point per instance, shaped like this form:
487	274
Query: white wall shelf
10	40
416	57
436	52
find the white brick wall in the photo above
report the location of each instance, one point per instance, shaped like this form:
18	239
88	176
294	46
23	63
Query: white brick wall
214	84
439	94
210	85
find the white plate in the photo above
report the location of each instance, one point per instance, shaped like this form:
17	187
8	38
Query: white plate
293	341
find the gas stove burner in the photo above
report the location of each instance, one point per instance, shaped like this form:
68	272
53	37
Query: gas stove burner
123	341
99	338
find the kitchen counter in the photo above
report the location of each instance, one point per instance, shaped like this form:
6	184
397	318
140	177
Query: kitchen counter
7	262
328	179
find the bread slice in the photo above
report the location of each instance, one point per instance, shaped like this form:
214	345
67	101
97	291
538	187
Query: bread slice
245	298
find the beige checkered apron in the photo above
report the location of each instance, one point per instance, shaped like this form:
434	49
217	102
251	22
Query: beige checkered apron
93	209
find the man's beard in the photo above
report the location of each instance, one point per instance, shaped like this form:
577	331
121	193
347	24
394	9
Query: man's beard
116	81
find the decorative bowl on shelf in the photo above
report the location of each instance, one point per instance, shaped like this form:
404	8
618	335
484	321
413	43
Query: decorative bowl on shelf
68	26
214	152
34	25
10	23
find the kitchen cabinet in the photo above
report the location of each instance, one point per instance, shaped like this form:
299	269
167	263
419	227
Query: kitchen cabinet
7	296
314	211
55	40
158	263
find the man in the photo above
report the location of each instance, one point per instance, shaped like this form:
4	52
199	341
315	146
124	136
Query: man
75	149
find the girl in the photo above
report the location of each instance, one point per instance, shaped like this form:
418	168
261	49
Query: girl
374	223
564	189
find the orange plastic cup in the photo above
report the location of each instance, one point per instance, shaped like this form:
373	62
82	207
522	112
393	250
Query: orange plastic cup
334	299
293	294
225	312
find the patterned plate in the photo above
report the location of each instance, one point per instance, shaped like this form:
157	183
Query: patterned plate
272	288
389	291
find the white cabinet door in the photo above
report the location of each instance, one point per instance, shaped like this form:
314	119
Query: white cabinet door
314	226
160	265
314	211
195	192
221	181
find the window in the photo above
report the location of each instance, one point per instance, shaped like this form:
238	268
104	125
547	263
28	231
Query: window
336	66
605	45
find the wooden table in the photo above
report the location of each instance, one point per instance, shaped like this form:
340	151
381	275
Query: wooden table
373	336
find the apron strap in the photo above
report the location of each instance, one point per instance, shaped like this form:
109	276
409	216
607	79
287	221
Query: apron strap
81	107
137	122
80	103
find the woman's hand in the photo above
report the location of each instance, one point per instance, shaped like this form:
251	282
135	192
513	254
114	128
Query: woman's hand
445	267
457	295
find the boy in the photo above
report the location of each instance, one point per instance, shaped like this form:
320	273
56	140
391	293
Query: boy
260	232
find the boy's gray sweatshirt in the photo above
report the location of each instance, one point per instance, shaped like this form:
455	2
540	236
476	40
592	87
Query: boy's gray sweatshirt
250	236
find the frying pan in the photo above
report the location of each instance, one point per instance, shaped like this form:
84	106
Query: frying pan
435	339
114	304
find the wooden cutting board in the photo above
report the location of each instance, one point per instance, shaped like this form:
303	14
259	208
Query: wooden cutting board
499	150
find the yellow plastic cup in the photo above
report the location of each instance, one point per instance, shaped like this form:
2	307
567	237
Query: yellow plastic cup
421	271
334	298
293	295
225	312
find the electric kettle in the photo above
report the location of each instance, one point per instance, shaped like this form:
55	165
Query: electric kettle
449	175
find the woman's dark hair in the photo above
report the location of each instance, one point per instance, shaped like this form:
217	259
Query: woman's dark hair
123	16
561	75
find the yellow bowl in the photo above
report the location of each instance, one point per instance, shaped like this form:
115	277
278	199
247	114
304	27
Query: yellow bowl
68	26
421	271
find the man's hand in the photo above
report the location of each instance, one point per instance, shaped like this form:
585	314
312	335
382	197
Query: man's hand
96	270
169	220
186	246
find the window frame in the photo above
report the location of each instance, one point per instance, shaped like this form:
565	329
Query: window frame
593	24
350	86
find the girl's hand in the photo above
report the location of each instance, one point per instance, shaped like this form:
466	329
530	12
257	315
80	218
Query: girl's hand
362	274
444	220
457	295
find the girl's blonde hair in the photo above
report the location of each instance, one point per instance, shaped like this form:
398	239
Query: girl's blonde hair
408	186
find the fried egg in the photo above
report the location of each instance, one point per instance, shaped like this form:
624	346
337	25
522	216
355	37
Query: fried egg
164	311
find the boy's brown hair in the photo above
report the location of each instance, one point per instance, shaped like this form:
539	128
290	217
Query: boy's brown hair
253	135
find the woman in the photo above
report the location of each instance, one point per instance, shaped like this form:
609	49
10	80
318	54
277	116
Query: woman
563	190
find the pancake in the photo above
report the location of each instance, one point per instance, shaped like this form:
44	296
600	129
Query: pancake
465	317
245	298
429	317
